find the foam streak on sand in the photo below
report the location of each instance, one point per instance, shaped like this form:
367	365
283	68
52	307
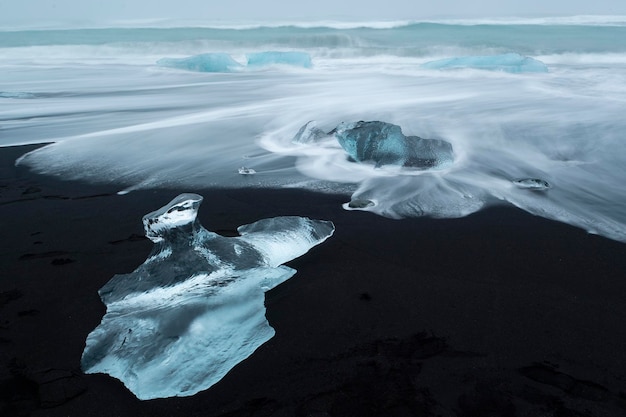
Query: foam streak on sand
118	117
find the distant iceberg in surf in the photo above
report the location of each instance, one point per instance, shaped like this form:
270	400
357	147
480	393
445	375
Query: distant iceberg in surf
223	62
17	95
512	62
293	58
195	308
211	62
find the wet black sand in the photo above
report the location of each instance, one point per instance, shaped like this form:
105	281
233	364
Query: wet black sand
497	314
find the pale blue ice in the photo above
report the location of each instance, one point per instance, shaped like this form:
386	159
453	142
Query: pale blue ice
209	62
223	62
293	58
511	62
384	143
195	308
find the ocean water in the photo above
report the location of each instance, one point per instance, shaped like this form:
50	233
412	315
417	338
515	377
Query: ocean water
117	116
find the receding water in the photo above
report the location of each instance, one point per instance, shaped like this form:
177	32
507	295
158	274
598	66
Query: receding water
116	116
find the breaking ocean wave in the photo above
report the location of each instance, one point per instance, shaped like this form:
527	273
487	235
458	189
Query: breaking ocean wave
116	116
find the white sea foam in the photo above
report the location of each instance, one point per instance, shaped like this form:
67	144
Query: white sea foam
575	20
143	126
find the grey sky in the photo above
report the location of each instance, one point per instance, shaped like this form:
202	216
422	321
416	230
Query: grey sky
33	11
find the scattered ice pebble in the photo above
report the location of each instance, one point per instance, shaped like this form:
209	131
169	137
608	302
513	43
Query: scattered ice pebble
246	171
195	308
535	184
359	204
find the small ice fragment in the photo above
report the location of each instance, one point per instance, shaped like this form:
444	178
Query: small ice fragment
534	184
246	171
361	203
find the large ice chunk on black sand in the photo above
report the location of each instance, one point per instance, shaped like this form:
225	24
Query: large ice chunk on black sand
385	144
195	308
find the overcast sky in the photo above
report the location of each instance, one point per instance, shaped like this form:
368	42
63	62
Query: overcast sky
34	11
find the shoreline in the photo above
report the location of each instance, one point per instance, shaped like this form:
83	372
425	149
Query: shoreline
499	312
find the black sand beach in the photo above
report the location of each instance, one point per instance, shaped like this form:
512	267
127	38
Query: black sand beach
497	314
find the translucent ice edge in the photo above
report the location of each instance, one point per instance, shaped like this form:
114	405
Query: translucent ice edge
180	340
211	62
294	58
195	308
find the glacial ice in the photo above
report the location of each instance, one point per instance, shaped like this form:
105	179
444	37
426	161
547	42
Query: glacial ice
209	62
511	62
17	95
223	62
246	171
535	184
385	144
359	204
309	133
195	308
293	58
